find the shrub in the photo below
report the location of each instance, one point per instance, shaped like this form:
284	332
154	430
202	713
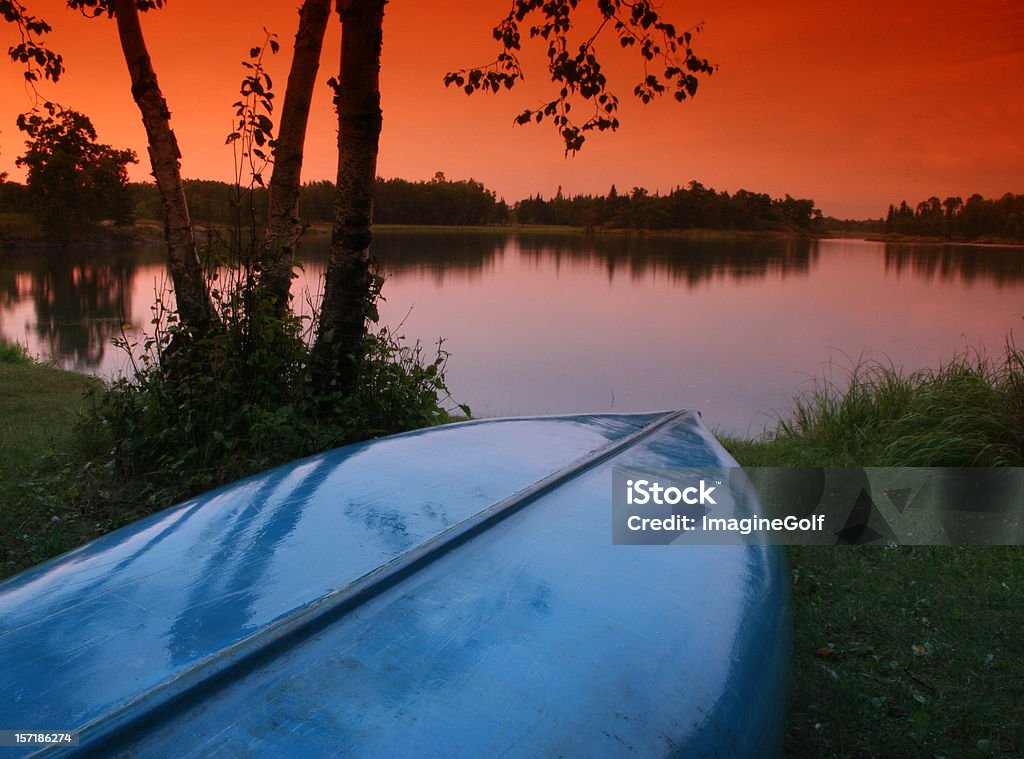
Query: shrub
241	401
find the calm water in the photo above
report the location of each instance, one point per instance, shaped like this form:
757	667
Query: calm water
546	324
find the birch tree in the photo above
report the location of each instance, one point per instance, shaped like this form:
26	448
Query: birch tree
669	65
195	308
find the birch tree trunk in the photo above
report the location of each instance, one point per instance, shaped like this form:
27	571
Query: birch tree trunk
284	227
195	308
349	290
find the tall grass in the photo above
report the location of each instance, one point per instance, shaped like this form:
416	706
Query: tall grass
14	353
968	412
905	652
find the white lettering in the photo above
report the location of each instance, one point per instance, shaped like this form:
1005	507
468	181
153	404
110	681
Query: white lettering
642	492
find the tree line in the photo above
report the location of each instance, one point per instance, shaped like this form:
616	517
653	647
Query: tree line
442	201
73	180
396	201
682	208
952	218
438	201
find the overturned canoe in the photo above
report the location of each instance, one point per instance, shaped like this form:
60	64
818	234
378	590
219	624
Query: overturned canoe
446	592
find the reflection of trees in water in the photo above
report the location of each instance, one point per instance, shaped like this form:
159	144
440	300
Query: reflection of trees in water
80	300
443	256
956	262
680	260
693	262
10	292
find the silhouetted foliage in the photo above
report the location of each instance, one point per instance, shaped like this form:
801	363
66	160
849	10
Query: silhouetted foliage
72	179
14	197
396	201
852	226
439	201
468	202
39	61
669	63
953	219
683	208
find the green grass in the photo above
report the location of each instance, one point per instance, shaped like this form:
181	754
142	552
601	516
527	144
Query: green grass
917	650
914	651
38	408
906	652
38	405
14	354
969	412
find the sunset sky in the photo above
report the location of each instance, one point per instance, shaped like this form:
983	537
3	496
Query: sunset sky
854	104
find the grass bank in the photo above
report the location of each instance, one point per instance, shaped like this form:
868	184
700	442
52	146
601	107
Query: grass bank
969	412
38	408
914	651
910	651
984	240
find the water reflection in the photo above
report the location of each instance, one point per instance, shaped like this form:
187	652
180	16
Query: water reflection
437	256
72	305
470	255
556	323
965	263
679	261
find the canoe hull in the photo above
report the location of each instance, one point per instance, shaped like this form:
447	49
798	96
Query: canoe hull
448	592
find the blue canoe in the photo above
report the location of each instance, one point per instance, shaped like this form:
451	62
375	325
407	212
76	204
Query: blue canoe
447	592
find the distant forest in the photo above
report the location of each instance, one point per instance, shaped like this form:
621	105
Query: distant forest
468	202
953	219
682	208
396	201
441	201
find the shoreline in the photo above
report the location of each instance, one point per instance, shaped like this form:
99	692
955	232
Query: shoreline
150	232
980	242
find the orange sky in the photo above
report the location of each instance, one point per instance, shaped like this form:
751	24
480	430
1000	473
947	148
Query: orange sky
853	103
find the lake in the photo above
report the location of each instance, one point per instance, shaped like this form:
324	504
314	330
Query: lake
553	323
